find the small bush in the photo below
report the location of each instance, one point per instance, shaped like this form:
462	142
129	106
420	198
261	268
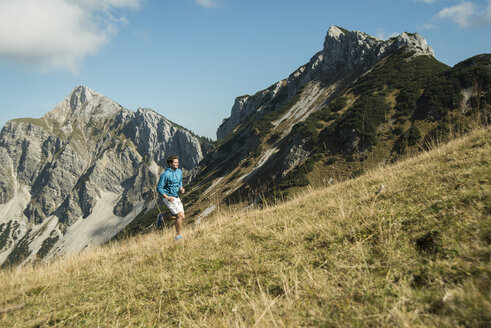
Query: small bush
438	134
273	138
413	135
409	138
400	146
397	130
337	104
407	100
298	176
331	160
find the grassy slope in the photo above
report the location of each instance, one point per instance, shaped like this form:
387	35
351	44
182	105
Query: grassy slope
417	254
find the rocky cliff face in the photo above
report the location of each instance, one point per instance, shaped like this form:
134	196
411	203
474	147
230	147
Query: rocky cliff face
76	176
346	55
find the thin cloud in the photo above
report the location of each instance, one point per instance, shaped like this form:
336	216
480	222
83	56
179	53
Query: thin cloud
108	4
207	3
382	35
57	34
426	1
142	35
467	14
427	26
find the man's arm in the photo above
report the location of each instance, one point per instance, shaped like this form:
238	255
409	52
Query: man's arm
161	184
170	199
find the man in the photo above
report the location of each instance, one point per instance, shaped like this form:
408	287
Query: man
169	186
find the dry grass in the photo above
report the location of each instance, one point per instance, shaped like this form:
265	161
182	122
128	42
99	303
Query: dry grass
415	255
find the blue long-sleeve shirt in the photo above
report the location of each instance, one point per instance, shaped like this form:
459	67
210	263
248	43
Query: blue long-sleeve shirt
169	183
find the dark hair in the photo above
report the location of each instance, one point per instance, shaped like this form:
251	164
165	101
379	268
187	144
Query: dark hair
171	159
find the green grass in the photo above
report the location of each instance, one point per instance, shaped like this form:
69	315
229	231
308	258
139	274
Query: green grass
416	254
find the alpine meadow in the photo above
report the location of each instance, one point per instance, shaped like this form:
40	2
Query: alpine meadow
415	253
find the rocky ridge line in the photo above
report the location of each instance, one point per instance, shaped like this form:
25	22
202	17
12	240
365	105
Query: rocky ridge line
345	53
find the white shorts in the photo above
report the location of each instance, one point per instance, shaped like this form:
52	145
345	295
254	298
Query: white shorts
174	207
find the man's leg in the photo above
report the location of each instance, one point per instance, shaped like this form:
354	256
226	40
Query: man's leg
180	218
170	217
176	206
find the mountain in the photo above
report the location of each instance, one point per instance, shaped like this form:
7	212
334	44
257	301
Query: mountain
358	103
345	57
75	177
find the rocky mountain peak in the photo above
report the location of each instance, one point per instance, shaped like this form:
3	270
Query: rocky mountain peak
79	96
82	105
340	38
345	50
337	37
346	55
414	42
350	50
335	32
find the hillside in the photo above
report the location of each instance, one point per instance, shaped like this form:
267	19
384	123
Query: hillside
357	104
264	144
417	253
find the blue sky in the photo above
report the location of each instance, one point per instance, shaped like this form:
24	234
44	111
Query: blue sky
189	59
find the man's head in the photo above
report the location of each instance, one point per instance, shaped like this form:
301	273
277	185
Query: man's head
173	162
